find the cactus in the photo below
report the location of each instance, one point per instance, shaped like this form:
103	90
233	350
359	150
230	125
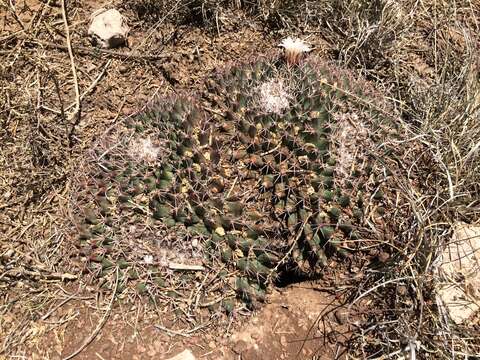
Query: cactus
252	177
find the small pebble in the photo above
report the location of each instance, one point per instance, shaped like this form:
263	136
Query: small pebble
341	315
9	253
151	352
402	290
383	257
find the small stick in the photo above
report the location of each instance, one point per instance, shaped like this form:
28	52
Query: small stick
100	324
48	276
76	112
93	84
376	287
97	52
175	266
14	13
184	333
217	300
231	189
47	315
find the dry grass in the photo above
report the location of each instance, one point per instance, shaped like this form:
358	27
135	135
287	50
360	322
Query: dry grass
423	54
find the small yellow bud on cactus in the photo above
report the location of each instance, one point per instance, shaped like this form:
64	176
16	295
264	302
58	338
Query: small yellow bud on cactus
220	231
196	167
294	50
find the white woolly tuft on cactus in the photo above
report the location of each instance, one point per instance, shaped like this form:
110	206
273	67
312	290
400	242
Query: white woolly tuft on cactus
144	149
274	98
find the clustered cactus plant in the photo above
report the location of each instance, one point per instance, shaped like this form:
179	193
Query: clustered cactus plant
244	181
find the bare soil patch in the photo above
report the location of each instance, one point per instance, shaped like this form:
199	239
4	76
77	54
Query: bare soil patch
298	322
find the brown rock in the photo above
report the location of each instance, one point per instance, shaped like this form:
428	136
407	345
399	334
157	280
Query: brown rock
239	347
341	315
402	290
383	257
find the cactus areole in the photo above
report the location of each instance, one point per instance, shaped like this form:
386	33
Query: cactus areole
244	182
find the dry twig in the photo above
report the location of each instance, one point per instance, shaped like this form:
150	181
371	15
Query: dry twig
76	112
100	325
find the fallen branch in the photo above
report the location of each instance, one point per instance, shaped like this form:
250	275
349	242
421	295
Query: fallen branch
19	273
100	53
76	112
93	84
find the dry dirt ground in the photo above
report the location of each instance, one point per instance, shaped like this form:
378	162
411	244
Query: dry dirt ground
298	323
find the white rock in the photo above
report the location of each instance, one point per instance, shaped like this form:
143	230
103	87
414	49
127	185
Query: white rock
108	28
184	355
458	280
461	258
459	305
